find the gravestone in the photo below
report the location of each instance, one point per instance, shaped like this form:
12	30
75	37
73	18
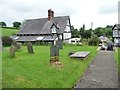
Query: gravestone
80	55
14	43
30	48
19	45
12	51
59	43
54	53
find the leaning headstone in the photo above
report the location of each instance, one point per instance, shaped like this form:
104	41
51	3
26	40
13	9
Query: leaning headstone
19	45
12	51
14	43
30	48
59	43
54	53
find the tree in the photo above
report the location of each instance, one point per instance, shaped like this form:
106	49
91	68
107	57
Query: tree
83	27
3	24
82	31
85	34
94	41
103	31
98	32
75	32
16	24
109	26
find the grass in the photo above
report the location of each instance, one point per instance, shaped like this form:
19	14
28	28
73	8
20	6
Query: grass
0	70
8	32
117	58
34	71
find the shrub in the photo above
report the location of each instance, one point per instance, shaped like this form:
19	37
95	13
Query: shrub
84	41
6	41
94	41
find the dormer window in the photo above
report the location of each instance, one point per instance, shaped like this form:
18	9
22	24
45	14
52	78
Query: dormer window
54	29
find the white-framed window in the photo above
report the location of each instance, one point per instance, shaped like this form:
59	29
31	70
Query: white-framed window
54	29
115	33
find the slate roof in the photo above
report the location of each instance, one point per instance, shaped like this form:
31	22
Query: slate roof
42	26
116	26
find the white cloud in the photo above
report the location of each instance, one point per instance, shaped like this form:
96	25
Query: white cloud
100	12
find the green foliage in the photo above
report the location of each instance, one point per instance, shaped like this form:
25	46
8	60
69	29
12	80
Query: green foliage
109	26
6	41
3	24
85	41
16	24
103	31
34	71
85	34
94	41
74	32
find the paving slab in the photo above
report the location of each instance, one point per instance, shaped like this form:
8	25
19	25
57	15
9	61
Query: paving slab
80	54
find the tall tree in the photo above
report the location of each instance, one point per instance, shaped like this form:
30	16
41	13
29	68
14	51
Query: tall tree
3	24
83	27
86	34
75	32
16	24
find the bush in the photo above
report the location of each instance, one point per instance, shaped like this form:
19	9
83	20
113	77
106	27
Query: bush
94	41
85	41
6	41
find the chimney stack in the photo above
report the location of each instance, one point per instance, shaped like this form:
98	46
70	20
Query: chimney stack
50	14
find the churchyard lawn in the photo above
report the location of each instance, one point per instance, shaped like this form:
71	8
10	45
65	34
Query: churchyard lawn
34	70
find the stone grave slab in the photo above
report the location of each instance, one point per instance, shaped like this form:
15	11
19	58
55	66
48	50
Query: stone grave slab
80	55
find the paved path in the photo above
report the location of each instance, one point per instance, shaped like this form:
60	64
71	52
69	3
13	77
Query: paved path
102	73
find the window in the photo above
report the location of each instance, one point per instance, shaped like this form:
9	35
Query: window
54	29
72	41
115	33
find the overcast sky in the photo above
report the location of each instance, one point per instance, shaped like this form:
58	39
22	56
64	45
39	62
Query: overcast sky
100	12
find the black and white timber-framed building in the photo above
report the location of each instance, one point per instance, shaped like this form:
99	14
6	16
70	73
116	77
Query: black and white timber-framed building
42	29
116	34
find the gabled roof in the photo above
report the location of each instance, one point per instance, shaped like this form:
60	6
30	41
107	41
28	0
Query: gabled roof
116	27
42	26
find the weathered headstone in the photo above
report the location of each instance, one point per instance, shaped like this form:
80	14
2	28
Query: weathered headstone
14	43
54	53
12	51
19	45
59	43
30	48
